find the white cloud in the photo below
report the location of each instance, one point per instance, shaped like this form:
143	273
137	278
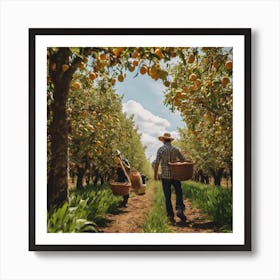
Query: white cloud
150	126
145	120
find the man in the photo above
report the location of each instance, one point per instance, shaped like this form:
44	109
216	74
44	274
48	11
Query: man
168	153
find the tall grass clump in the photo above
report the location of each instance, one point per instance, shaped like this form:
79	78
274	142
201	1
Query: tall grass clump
156	220
85	210
214	201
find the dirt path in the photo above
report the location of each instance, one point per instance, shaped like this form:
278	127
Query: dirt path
131	218
197	222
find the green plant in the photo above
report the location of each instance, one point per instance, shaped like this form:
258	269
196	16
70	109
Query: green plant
85	210
70	219
156	220
214	201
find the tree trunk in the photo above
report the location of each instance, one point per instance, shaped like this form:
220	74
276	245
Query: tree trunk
217	180
57	187
81	173
102	180
96	179
88	178
206	179
217	174
57	181
196	177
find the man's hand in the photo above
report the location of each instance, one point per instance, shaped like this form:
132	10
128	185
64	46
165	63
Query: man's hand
156	172
155	177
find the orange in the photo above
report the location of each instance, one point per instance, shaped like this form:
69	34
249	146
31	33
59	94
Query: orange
135	54
155	77
191	58
92	76
207	116
181	95
216	64
77	85
192	77
176	101
192	88
143	69
228	65
64	67
131	68
102	64
167	83
117	51
135	62
153	70
82	65
224	81
120	78
209	84
197	82
158	52
103	56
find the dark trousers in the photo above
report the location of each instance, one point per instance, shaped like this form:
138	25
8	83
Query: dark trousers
122	178
166	185
125	199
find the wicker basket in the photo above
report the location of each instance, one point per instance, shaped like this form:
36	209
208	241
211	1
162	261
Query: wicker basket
120	188
136	180
141	190
182	171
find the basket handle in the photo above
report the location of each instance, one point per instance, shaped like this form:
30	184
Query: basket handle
123	168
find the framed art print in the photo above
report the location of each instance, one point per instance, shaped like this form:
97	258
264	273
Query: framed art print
140	139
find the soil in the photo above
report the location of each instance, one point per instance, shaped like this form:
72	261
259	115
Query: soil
197	222
131	218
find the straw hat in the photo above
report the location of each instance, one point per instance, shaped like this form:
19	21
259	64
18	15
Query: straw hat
166	135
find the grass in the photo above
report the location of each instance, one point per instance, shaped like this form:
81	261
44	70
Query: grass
86	209
156	220
214	201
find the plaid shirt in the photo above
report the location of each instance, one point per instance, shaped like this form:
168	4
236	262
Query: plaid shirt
167	153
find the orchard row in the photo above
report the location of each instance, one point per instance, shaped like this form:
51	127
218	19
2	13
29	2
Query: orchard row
85	119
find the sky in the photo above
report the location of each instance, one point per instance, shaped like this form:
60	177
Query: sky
143	97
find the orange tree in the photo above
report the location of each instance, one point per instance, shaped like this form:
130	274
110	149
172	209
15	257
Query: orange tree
98	127
62	65
129	143
201	90
93	115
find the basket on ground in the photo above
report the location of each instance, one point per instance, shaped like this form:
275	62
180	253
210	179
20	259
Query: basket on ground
182	171
136	183
141	190
120	188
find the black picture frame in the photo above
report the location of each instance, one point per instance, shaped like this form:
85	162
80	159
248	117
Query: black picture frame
245	32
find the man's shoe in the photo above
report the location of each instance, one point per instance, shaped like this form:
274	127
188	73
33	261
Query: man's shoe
172	221
181	215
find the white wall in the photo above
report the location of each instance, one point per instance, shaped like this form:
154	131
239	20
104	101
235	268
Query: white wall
16	262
